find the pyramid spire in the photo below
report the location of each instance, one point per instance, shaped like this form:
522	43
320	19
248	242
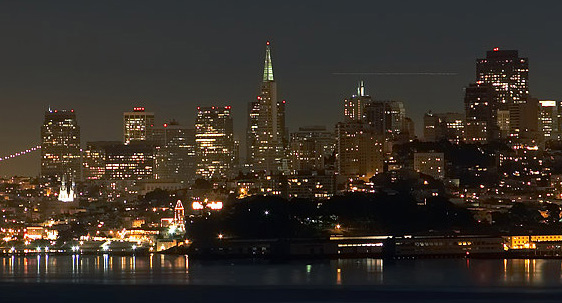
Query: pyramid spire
268	67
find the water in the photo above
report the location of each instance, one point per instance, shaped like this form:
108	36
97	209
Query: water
180	270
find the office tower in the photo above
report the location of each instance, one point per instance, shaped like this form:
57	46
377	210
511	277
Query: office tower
548	119
432	164
94	159
60	146
386	118
359	150
131	162
444	126
309	147
355	105
509	76
175	152
251	131
137	125
215	142
268	142
480	109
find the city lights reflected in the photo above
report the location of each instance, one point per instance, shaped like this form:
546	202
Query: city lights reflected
179	269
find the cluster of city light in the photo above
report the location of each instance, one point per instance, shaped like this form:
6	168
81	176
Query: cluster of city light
214	205
21	153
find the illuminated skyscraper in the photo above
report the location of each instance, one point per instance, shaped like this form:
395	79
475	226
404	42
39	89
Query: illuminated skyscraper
355	105
60	146
137	125
214	141
175	152
509	76
267	144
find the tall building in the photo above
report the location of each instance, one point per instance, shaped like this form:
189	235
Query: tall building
252	129
443	126
481	110
355	105
386	118
137	125
359	150
94	159
309	147
267	145
509	76
133	161
548	119
215	142
175	152
60	146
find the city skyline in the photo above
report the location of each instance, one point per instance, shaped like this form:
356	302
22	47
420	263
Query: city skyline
305	63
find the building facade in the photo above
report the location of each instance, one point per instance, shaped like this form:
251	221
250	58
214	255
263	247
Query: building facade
60	145
432	164
175	154
443	126
508	74
310	147
354	107
481	110
214	139
138	125
386	118
359	151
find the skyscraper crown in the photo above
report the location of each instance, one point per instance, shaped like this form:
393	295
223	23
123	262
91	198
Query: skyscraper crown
268	67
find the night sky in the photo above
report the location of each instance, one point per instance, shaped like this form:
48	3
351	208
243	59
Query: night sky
104	57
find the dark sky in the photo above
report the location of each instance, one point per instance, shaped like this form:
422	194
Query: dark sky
104	57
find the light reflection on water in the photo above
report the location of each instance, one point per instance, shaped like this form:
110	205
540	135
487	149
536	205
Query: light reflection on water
163	269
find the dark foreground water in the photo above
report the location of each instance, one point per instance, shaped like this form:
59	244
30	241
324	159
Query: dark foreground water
160	278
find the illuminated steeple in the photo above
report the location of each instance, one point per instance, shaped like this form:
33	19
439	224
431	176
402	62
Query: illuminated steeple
268	67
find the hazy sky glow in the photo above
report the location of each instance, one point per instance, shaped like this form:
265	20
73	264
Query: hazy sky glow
104	57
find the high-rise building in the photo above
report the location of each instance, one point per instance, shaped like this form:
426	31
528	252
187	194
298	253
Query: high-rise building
137	125
60	146
355	105
309	147
133	161
359	150
175	152
386	118
267	125
443	126
481	110
548	119
509	76
94	159
252	129
215	142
